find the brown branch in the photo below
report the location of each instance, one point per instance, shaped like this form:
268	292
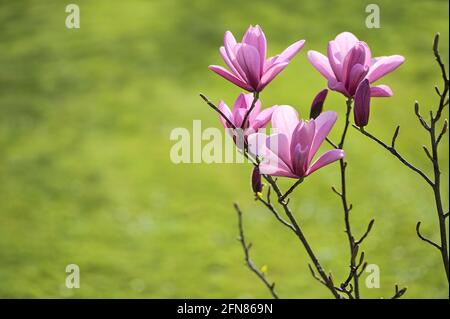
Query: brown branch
394	152
246	247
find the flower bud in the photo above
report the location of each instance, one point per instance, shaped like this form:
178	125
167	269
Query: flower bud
256	181
317	104
362	104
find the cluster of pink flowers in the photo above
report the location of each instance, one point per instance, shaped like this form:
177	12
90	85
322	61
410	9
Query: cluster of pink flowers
349	69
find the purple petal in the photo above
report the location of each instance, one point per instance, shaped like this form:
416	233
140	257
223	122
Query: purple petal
321	63
230	45
300	147
263	118
381	91
271	73
357	74
279	144
384	65
230	77
269	62
325	159
334	85
291	51
255	37
345	41
248	59
324	124
228	62
357	55
335	58
226	111
273	170
285	120
271	164
362	104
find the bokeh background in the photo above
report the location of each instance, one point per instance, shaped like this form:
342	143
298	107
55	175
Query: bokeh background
85	173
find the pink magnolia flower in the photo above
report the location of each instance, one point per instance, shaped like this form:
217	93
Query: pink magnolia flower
291	150
349	61
257	119
249	67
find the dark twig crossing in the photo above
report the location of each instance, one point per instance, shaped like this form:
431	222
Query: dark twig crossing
435	136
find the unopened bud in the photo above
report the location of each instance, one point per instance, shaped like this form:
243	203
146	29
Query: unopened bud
317	104
256	181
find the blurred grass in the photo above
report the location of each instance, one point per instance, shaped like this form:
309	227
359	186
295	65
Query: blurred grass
85	117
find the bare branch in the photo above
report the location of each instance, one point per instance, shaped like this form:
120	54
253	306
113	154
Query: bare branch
394	152
398	292
424	238
369	228
246	247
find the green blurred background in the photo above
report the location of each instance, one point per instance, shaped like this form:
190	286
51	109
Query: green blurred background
85	174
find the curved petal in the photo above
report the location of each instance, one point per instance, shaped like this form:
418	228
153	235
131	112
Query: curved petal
334	85
256	37
263	118
357	74
357	55
324	124
276	171
230	77
381	91
271	164
248	59
230	43
345	41
271	73
285	120
228	62
269	62
291	51
300	147
279	145
226	111
384	65
321	63
335	58
368	59
325	159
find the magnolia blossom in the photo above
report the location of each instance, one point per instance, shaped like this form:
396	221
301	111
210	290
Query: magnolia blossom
349	61
290	151
249	67
256	119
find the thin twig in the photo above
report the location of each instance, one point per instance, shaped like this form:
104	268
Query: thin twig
347	208
247	114
291	189
398	292
394	152
246	247
369	228
432	243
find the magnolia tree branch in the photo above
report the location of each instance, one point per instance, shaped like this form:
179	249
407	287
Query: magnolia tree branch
356	266
246	247
284	203
435	135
